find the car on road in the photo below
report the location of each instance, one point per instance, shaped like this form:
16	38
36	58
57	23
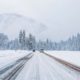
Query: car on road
34	50
41	50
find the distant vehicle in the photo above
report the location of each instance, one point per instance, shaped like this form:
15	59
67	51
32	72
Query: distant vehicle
41	50
34	50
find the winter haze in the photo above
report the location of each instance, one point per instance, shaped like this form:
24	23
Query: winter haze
54	19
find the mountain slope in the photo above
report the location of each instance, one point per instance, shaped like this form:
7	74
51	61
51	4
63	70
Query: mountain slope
11	24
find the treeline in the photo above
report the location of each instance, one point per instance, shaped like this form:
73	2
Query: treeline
29	42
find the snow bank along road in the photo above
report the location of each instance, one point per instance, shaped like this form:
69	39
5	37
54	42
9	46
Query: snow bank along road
68	64
44	67
11	71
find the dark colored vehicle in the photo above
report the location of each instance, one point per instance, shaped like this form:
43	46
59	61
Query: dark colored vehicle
33	50
41	50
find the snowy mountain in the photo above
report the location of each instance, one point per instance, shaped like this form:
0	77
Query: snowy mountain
11	24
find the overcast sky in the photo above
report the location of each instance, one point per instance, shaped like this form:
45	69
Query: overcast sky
62	17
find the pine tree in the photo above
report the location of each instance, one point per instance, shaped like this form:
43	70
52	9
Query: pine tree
31	42
22	39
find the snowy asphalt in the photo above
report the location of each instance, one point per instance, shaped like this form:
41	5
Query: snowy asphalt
42	67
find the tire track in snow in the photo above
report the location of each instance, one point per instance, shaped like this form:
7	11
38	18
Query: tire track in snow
42	67
31	70
70	72
60	70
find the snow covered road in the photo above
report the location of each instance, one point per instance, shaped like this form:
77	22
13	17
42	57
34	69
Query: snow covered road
10	72
42	67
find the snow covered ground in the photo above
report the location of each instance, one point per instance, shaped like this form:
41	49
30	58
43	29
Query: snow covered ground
42	67
9	56
69	56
